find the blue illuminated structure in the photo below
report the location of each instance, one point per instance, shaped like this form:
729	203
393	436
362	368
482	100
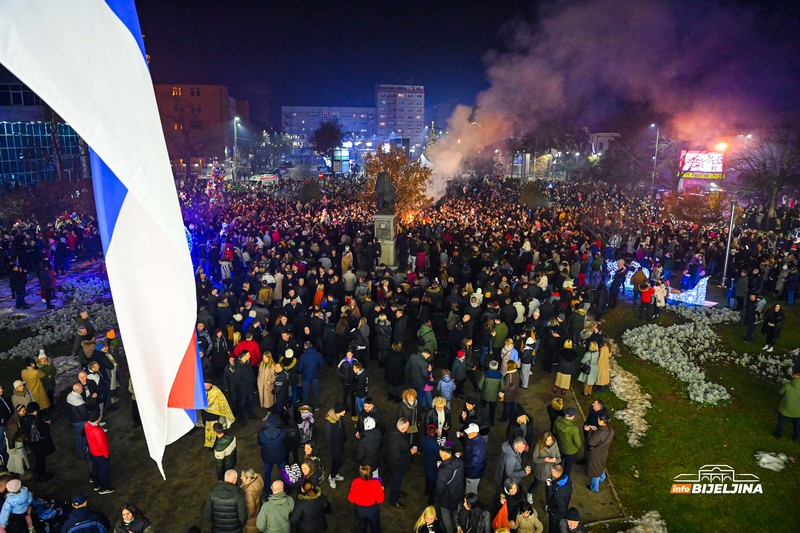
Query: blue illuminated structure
695	296
189	238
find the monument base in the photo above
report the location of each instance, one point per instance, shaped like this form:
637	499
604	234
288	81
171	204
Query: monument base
388	254
385	233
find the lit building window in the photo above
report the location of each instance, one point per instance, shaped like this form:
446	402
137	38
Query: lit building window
176	91
177	127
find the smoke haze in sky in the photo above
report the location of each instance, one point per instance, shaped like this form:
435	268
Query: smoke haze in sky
701	69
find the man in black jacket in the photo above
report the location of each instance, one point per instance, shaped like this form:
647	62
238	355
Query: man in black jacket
79	409
449	486
244	383
558	492
226	508
398	458
750	317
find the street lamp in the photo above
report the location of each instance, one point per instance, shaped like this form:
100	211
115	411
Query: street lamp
655	157
235	146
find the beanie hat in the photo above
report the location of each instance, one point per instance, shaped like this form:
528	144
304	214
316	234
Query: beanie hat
573	514
14	485
338	407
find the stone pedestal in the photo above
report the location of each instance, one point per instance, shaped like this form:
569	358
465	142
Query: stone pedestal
386	232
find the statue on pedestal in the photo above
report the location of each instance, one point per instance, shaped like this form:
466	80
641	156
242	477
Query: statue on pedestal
385	193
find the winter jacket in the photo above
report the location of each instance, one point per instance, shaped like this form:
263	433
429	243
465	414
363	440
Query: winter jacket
450	483
226	508
15	503
567	359
428	337
541	468
77	407
345	369
311	362
398	452
599	442
432	418
417	367
369	447
335	434
492	381
272	439
274	514
790	401
473	521
510	386
447	387
383	334
476	456
557	496
309	512
509	465
568	436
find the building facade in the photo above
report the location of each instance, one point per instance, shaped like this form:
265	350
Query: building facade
198	123
34	144
401	112
302	121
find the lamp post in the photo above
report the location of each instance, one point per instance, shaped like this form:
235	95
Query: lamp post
655	157
728	247
235	147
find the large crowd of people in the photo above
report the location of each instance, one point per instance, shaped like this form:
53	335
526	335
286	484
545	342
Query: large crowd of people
489	297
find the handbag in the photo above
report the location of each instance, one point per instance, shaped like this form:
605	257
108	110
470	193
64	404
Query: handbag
586	368
501	518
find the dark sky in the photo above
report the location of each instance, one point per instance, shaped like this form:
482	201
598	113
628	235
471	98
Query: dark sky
277	53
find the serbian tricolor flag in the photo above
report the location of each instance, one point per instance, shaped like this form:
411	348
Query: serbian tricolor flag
86	59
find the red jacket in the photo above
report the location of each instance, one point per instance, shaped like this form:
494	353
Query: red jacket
365	493
98	440
250	346
647	295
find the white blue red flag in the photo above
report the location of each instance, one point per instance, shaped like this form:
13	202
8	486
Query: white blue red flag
86	59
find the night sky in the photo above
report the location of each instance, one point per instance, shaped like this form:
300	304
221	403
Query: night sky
277	53
698	65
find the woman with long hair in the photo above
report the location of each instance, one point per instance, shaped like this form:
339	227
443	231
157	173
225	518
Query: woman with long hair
132	520
592	359
427	522
266	381
366	493
545	455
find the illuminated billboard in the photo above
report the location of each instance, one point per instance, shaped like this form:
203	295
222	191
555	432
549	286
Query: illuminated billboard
702	164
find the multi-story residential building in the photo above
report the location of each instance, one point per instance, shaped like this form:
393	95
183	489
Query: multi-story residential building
198	122
401	112
301	121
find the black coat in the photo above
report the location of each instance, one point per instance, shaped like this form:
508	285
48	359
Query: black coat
369	448
309	512
398	452
450	483
383	334
558	497
395	368
272	439
567	359
243	380
335	435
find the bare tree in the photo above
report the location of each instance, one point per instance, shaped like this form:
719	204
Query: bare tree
770	162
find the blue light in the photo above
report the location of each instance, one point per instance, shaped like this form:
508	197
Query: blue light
696	296
189	239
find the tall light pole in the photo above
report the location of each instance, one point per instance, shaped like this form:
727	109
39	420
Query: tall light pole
235	146
655	157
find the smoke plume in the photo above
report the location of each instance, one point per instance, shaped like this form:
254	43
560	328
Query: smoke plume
700	69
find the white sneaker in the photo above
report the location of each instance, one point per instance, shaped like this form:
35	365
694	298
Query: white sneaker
765	347
339	477
332	482
769	349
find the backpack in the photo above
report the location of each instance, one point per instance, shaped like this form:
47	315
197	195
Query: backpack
88	527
